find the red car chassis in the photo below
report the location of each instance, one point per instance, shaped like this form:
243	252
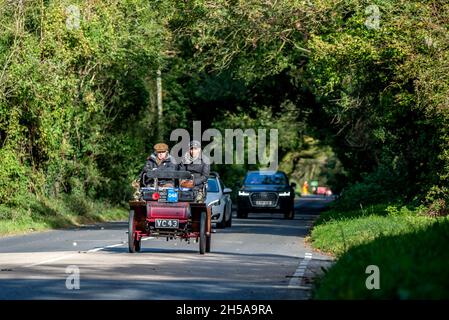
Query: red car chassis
168	212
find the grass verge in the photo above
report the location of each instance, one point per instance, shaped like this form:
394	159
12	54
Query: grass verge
409	249
33	214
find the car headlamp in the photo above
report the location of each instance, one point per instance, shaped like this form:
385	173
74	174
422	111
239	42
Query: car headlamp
284	194
156	196
214	203
243	193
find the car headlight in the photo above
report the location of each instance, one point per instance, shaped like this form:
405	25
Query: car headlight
243	193
214	203
284	194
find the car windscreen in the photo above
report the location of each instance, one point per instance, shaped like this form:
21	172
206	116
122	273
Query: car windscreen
212	185
257	178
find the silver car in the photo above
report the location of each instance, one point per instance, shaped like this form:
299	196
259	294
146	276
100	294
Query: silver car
221	209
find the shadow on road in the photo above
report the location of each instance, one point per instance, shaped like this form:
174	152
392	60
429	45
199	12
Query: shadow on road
220	275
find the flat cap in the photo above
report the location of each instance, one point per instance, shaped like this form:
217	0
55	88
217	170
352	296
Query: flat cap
160	147
195	144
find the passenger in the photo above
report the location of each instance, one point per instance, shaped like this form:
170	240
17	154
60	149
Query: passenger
199	165
161	160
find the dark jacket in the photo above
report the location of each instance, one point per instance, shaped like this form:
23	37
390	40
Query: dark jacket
200	170
151	164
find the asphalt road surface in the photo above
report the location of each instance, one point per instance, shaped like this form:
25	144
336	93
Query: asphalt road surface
262	257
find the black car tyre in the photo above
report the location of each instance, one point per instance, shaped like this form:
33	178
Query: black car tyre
208	241
290	214
242	214
133	244
229	222
203	233
222	224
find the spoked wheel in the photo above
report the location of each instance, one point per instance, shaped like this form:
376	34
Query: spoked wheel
203	238
133	244
208	240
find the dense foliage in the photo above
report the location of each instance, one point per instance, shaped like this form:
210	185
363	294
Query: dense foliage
78	106
74	110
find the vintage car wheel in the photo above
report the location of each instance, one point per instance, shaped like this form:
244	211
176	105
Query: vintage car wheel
133	244
203	233
208	240
208	243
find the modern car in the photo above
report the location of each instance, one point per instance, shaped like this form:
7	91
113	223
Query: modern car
222	209
268	192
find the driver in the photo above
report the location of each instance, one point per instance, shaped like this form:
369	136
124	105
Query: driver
160	159
199	165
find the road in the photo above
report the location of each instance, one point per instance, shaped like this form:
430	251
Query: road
262	257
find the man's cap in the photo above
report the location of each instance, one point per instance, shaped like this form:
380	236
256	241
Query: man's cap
195	144
160	147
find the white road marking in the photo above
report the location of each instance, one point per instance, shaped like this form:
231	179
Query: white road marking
295	281
115	245
102	248
231	241
89	251
50	260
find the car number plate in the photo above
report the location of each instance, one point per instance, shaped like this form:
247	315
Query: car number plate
172	196
264	203
167	223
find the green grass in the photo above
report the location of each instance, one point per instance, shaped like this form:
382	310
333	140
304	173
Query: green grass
409	248
337	213
44	214
337	237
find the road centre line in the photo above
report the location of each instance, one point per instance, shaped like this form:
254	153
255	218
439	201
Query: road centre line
50	260
115	245
70	255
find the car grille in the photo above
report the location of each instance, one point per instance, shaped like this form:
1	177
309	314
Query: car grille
264	199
